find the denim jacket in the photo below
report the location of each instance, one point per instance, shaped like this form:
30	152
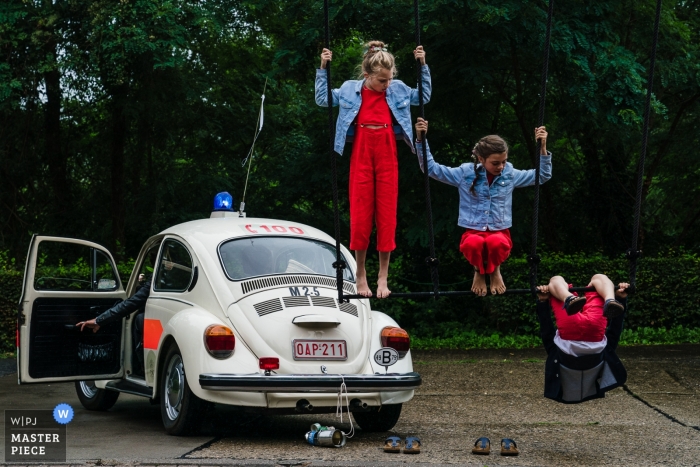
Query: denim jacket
492	206
398	96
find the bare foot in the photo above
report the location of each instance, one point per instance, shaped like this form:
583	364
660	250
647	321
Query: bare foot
497	284
479	284
362	286
382	288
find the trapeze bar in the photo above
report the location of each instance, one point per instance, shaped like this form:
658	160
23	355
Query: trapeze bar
454	293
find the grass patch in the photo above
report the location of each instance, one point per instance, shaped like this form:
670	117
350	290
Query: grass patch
474	340
7	355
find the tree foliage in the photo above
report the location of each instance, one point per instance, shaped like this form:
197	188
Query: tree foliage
119	118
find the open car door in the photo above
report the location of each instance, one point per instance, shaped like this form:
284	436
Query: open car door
67	281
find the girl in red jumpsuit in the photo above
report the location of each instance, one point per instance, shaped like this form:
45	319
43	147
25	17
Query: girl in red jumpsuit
379	103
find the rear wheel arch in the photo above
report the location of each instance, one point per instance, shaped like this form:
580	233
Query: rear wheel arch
168	341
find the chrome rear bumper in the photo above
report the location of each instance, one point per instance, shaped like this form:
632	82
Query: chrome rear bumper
256	382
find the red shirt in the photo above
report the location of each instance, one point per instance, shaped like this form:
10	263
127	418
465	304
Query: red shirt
374	109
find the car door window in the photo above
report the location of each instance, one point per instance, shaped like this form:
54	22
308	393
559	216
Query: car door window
64	266
174	271
105	277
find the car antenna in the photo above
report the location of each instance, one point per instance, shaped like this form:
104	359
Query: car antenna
249	157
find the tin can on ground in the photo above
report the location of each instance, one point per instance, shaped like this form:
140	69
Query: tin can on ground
329	437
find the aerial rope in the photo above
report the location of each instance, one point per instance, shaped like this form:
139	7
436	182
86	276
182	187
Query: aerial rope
339	263
633	253
431	260
533	259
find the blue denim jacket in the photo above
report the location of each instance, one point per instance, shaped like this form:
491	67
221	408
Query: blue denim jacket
398	96
492	206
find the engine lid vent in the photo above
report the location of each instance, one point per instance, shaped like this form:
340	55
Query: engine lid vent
268	306
290	302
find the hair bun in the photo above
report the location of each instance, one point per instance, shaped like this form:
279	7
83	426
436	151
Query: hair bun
374	47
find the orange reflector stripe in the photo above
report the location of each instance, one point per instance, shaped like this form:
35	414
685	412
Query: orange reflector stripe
152	330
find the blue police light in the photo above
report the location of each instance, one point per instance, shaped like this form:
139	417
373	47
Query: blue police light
223	202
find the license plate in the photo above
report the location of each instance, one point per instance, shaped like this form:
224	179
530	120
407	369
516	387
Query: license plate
312	349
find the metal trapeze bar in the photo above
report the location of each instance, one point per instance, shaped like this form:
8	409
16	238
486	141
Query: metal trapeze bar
454	293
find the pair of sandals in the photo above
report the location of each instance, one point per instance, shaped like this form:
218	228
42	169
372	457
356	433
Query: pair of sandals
483	447
411	445
611	309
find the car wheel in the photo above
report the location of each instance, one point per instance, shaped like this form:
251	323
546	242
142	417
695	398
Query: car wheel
180	409
379	418
93	398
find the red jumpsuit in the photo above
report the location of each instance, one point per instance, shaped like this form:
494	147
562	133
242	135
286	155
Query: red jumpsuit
486	249
374	175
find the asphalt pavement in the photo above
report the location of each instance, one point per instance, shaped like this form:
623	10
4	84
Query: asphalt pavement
654	420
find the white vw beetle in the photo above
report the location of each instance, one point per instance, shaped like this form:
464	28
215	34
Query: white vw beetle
241	311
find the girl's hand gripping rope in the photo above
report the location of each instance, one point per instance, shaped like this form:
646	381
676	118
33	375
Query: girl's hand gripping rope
541	135
421	129
419	54
326	56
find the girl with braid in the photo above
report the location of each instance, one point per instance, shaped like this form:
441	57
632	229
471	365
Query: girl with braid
486	201
374	110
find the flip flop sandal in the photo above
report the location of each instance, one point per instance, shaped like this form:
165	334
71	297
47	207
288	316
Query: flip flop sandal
574	304
482	446
391	444
508	447
412	445
612	308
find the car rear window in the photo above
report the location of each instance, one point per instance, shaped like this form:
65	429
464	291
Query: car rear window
263	256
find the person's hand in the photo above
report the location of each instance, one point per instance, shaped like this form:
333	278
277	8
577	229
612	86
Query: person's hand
622	292
90	324
419	54
541	134
421	128
543	293
142	277
326	56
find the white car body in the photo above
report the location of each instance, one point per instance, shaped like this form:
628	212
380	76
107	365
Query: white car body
266	313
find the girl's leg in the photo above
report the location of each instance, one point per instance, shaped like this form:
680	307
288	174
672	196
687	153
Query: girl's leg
361	191
496	281
361	276
498	246
386	201
382	288
472	247
559	288
604	286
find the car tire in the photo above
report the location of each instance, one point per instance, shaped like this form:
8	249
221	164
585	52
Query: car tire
93	398
180	409
379	418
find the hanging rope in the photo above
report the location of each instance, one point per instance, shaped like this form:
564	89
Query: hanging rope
534	258
431	260
249	157
339	263
634	253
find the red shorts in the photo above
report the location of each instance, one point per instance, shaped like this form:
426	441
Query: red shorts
588	325
486	250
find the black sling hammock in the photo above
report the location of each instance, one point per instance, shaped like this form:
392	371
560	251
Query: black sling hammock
533	258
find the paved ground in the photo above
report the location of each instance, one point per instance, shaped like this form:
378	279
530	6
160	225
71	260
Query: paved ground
654	421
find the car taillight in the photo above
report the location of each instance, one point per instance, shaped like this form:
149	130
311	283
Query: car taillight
219	341
397	339
269	363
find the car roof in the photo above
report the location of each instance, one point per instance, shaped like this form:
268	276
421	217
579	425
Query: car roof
213	231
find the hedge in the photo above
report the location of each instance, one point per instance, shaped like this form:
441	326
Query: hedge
667	301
